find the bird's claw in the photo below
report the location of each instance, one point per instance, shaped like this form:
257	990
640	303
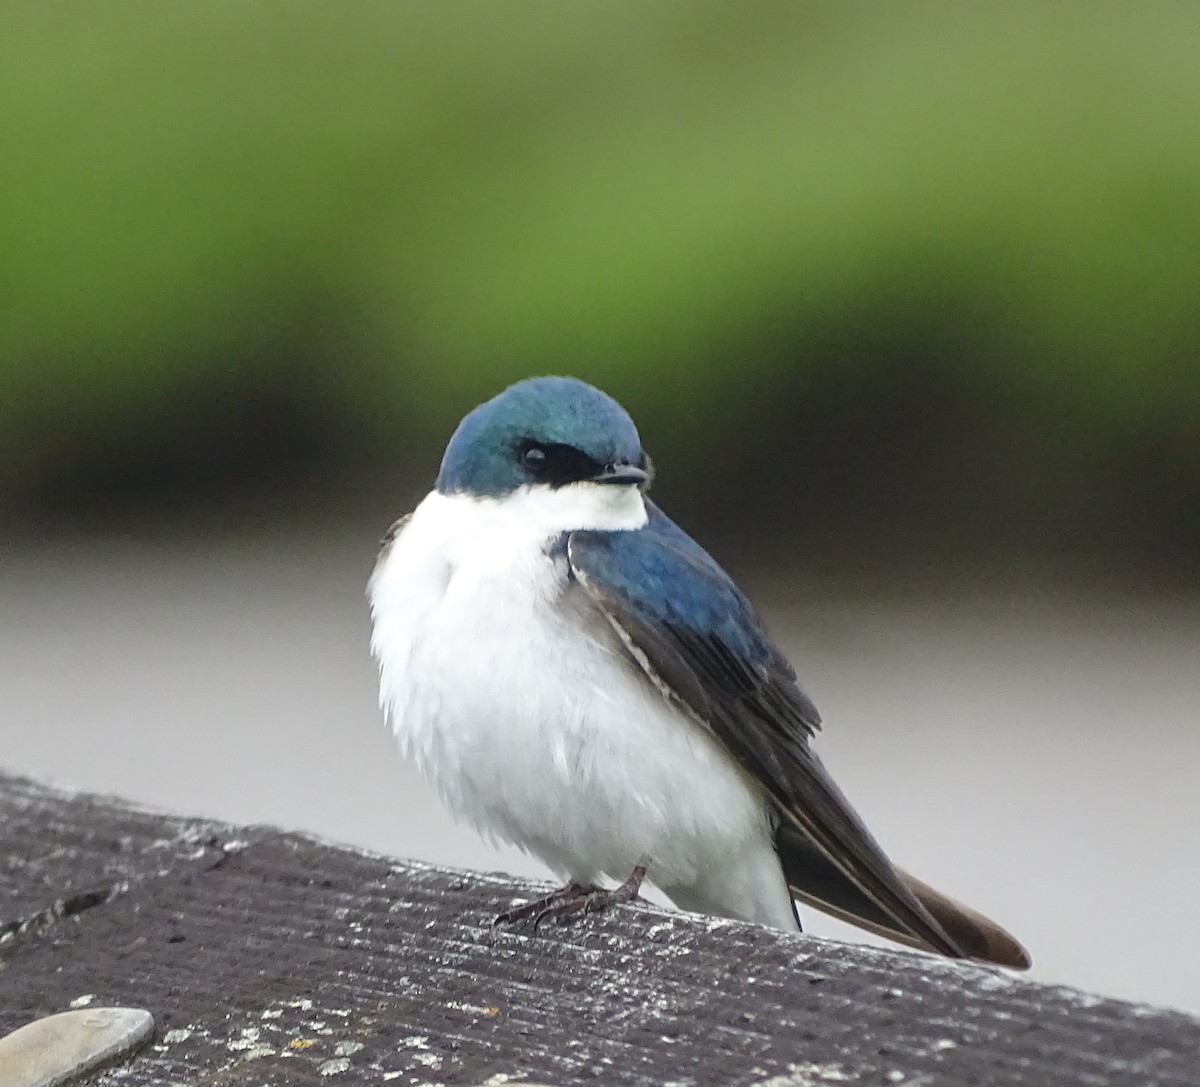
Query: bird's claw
574	900
536	909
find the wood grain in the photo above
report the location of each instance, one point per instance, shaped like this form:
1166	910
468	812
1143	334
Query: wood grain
269	959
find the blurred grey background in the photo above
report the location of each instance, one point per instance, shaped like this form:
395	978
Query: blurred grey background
903	300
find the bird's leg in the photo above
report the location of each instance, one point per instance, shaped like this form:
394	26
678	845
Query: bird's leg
572	891
594	899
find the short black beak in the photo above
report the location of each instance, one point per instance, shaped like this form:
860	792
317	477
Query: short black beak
620	473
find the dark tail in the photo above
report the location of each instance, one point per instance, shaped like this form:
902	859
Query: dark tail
815	880
980	937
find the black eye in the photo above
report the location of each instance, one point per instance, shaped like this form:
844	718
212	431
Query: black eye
534	458
556	464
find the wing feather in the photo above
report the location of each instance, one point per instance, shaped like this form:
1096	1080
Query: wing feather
698	637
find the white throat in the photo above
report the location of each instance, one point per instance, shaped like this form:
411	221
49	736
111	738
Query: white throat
541	512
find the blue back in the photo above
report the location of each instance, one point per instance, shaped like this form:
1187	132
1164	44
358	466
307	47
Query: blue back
660	577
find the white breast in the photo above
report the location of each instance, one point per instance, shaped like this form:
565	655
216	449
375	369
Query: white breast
535	727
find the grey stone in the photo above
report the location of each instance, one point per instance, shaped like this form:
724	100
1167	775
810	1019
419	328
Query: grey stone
58	1048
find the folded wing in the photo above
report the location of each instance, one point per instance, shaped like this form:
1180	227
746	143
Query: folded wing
698	639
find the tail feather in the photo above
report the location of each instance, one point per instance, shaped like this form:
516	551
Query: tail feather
815	880
979	936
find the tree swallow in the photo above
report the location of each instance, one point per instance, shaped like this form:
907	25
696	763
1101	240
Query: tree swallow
577	676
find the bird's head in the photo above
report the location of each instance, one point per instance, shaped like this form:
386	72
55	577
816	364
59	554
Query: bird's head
545	434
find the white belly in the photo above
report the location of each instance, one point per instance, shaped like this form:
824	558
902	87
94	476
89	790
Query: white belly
544	734
540	733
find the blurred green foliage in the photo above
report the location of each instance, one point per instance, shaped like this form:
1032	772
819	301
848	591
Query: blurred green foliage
391	210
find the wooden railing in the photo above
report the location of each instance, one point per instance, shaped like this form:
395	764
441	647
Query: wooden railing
269	958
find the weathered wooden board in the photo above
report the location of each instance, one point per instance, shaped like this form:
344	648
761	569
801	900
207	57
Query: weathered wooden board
267	958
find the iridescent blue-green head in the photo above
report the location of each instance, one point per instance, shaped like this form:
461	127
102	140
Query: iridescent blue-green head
549	431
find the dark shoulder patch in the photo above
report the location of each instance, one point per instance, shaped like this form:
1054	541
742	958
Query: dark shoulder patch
389	537
394	530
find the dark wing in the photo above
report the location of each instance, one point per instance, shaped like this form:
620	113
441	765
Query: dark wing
700	640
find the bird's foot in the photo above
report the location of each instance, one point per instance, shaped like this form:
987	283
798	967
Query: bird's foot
590	899
564	895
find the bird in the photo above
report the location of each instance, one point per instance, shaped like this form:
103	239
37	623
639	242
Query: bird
576	676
